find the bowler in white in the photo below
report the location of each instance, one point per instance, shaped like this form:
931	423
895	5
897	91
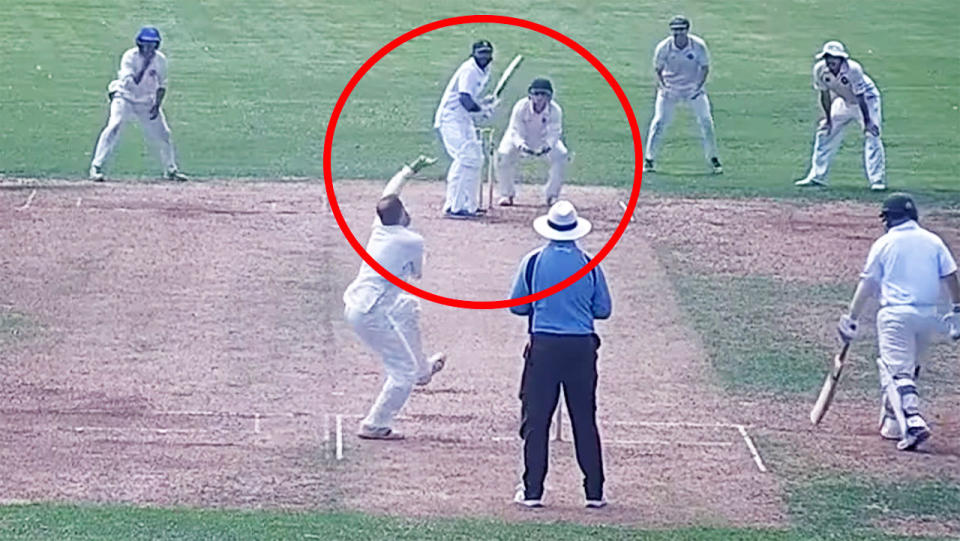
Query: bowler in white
536	125
681	63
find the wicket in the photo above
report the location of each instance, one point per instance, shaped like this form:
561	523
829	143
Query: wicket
486	136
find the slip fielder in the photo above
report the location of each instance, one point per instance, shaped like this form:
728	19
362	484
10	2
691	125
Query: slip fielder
138	91
847	93
681	63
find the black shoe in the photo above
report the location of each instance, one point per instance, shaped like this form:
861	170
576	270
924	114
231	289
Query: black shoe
717	168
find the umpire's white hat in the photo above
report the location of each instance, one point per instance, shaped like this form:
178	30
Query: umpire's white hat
833	48
562	223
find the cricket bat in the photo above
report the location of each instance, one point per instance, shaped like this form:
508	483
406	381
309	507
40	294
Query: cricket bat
507	74
829	387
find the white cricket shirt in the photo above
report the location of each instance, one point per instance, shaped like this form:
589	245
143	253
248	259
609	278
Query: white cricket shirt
848	84
681	67
154	77
397	249
535	129
908	262
468	79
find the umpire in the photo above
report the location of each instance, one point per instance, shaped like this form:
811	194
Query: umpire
562	352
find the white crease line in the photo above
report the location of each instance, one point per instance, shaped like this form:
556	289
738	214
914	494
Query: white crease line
668	424
256	423
326	429
623	205
678	443
29	200
753	449
78	201
339	437
82	429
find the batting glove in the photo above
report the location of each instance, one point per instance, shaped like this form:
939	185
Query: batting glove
847	328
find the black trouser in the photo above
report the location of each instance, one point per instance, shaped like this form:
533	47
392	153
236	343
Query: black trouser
552	361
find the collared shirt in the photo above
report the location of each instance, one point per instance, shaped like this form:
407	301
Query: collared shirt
849	83
533	128
397	249
154	77
908	262
572	310
468	79
681	68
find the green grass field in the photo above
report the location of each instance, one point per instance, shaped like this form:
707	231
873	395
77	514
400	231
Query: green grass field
252	85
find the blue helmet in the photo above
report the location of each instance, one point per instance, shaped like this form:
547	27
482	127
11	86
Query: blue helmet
148	34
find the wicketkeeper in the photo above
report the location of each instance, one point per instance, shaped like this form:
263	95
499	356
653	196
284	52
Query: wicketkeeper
384	317
906	267
536	125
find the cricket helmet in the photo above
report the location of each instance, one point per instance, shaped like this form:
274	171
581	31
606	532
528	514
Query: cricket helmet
898	208
540	85
482	45
148	34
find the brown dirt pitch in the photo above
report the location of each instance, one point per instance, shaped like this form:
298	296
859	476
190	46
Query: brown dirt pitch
185	345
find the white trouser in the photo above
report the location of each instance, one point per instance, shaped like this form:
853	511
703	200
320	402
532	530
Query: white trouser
155	131
508	160
903	334
463	178
663	116
826	145
393	331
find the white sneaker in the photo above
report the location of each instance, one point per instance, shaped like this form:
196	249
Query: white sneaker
915	436
595	504
505	201
878	187
436	363
810	181
521	499
381	433
96	173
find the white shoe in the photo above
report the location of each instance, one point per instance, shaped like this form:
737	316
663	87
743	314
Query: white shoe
595	504
436	363
505	201
381	433
878	186
915	436
96	173
810	181
521	499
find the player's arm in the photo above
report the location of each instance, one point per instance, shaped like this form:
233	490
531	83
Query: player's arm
868	125
520	289
155	110
466	100
554	128
127	70
953	287
399	180
602	304
704	70
825	103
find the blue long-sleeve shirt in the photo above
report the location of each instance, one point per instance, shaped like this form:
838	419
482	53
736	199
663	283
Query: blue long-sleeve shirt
572	310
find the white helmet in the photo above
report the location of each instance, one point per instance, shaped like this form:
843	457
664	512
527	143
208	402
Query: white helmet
833	48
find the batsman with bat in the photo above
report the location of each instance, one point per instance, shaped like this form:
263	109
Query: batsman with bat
906	266
138	91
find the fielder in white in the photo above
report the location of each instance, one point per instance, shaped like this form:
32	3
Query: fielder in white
138	91
454	121
536	125
681	63
907	267
846	94
386	318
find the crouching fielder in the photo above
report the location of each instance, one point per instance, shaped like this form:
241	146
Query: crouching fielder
536	125
138	91
385	318
846	94
907	266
